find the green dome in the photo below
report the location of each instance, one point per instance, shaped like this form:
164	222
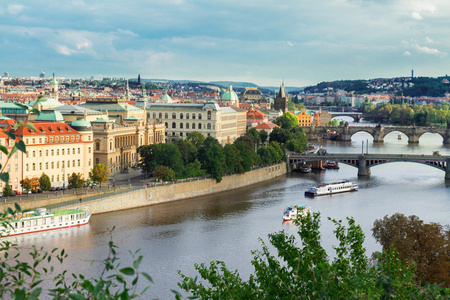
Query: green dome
230	95
50	115
81	125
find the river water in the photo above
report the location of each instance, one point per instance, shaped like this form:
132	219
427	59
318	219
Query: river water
227	226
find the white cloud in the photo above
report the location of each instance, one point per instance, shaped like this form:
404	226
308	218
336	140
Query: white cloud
407	53
290	44
416	15
427	50
428	40
14	9
127	32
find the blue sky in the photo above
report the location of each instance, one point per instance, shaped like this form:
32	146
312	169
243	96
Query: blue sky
260	41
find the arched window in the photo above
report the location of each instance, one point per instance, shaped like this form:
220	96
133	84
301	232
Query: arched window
97	161
187	116
193	116
166	116
167	126
199	116
174	125
208	126
181	115
199	125
154	115
193	125
209	115
187	125
97	145
181	125
174	115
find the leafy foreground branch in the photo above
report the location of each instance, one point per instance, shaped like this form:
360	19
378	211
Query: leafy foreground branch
306	272
22	280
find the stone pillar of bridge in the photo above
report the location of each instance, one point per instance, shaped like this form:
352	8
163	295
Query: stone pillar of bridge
447	170
288	165
363	169
446	137
378	134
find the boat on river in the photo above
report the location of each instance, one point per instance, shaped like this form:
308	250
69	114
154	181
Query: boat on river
292	212
306	168
332	188
42	220
332	165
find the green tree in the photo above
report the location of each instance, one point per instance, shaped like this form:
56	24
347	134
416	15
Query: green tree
254	135
426	246
263	135
165	173
44	182
231	159
194	169
196	138
155	155
187	150
279	135
246	155
266	155
7	190
333	123
287	121
303	270
99	174
212	159
75	180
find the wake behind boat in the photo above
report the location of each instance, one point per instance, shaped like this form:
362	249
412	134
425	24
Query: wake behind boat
332	188
41	220
292	212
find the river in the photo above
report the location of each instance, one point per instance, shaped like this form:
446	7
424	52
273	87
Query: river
227	226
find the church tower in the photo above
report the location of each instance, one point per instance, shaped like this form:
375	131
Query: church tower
54	88
281	99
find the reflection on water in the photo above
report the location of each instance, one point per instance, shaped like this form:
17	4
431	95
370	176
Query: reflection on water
226	226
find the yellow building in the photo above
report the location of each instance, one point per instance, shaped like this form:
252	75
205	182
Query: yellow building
321	118
304	118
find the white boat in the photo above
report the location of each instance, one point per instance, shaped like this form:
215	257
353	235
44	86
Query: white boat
292	212
41	220
332	188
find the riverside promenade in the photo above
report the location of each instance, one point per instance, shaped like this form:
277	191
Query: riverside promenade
136	191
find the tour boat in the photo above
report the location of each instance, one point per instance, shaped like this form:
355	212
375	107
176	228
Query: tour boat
332	188
399	136
306	168
291	212
332	165
41	220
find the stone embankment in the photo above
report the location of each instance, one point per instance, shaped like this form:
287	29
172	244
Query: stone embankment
172	191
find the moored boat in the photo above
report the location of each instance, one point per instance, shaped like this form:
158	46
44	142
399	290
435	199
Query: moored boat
42	220
292	212
332	165
306	168
332	188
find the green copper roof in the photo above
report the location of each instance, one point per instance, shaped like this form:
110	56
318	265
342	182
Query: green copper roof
100	120
230	95
81	123
166	98
132	118
50	115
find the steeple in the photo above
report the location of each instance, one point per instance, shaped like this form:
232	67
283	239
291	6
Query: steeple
127	93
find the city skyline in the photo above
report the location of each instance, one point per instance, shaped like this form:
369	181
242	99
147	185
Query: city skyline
263	42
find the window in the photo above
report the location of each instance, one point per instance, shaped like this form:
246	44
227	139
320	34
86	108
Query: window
160	115
187	115
68	163
97	161
53	180
187	125
40	153
174	115
89	150
62	151
40	140
199	116
174	125
57	151
199	125
181	125
62	163
34	153
208	126
34	142
193	125
40	166
110	147
26	167
16	167
53	164
166	116
16	155
97	146
79	163
34	167
193	116
46	165
209	115
57	178
181	134
57	164
52	152
181	115
46	152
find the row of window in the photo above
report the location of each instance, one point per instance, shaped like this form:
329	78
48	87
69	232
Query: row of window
53	165
52	152
174	125
181	115
56	139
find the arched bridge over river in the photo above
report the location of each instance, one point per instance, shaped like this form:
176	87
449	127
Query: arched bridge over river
366	161
346	132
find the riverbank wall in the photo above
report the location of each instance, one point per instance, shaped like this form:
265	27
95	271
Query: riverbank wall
172	191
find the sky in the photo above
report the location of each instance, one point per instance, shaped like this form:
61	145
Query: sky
259	41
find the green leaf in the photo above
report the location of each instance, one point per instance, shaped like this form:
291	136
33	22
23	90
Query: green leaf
35	111
21	105
21	146
17	207
14	150
127	271
76	297
10	135
42	99
30	125
147	277
137	262
4	177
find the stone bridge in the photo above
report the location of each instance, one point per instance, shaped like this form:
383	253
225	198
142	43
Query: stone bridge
378	132
366	161
355	115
